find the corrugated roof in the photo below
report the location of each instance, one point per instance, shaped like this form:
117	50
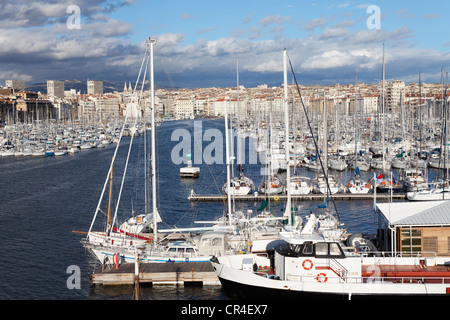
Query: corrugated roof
416	213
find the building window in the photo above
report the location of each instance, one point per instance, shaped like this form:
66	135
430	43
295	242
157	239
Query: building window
410	241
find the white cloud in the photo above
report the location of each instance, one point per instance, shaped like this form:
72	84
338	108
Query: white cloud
39	46
317	22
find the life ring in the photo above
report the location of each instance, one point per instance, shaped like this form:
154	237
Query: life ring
321	277
350	185
368	186
276	198
308	266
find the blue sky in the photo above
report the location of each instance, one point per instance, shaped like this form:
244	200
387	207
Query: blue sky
199	41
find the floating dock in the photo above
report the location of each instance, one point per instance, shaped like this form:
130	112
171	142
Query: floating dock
309	197
186	273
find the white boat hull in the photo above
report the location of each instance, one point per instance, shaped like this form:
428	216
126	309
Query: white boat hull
241	283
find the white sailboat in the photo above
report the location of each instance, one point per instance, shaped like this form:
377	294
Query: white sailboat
300	185
359	186
125	245
239	186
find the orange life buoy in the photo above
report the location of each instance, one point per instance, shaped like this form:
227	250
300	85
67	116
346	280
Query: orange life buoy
350	185
321	277
368	186
307	266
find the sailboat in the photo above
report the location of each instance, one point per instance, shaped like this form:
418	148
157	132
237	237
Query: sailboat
439	189
239	186
129	241
271	186
358	185
300	185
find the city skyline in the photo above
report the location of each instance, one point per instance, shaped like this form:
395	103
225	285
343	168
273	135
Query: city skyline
200	43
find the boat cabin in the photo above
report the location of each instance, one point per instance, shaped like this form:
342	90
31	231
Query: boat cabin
311	249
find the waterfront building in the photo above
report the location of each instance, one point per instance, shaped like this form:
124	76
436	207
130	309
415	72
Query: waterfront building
184	108
107	105
94	87
16	85
412	227
33	108
55	89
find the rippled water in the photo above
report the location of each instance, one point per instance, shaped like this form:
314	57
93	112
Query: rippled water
43	200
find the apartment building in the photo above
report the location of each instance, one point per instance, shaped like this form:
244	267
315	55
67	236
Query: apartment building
55	89
94	87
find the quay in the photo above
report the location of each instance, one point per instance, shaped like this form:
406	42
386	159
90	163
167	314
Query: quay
186	273
309	197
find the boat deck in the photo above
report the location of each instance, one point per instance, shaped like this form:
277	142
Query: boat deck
407	273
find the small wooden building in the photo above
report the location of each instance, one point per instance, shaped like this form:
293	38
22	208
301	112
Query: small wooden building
412	228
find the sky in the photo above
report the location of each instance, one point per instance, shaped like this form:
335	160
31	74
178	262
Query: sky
207	43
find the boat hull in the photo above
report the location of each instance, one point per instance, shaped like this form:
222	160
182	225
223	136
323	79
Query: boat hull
240	284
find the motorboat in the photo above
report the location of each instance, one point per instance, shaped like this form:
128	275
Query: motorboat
334	265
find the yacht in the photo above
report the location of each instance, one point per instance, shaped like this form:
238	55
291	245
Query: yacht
313	262
414	180
437	190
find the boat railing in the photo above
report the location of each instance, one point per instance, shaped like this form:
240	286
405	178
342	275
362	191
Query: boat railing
405	280
373	279
339	269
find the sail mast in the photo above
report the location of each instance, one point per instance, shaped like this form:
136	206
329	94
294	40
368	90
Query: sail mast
286	144
227	162
151	43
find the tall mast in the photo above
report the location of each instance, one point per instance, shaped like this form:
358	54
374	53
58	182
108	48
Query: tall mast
383	115
227	161
151	43
286	144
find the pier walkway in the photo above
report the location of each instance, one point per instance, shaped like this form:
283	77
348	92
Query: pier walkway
156	273
309	197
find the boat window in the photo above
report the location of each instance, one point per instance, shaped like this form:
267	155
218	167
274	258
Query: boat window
190	250
334	249
172	249
321	249
307	248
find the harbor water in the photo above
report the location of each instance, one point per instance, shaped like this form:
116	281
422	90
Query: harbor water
44	201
